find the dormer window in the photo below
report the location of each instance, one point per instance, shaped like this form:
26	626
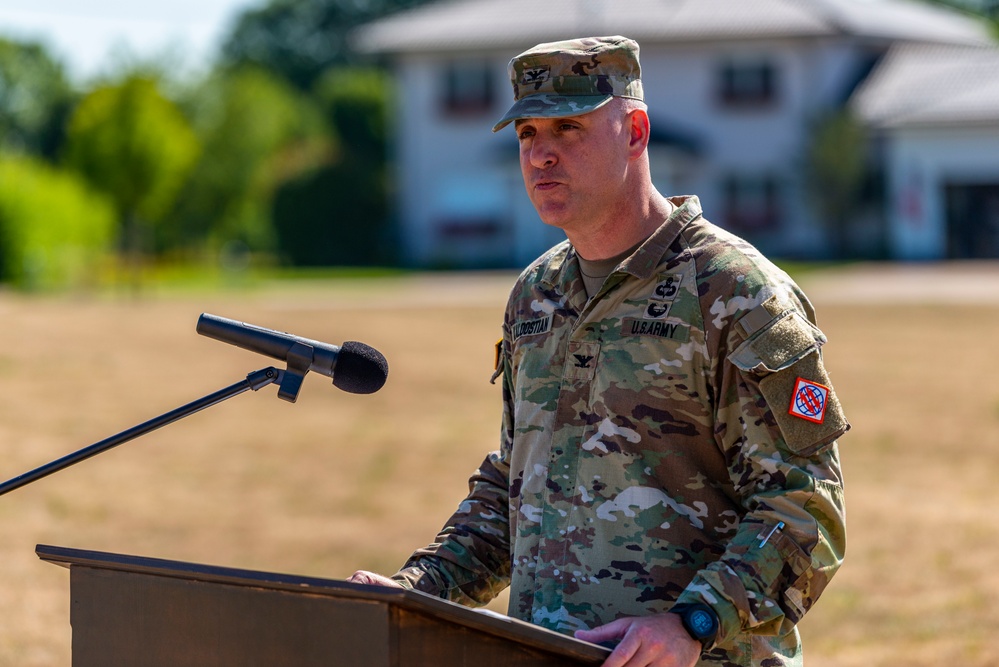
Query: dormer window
468	88
747	82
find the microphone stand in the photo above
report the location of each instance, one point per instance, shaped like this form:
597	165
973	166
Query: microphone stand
256	380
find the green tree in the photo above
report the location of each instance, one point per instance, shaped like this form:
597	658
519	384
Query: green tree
257	132
135	146
53	230
35	99
301	39
338	215
358	98
837	173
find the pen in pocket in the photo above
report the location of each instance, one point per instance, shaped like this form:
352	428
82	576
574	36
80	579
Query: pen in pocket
780	524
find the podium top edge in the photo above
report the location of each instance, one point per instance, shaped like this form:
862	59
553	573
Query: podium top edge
69	557
413	600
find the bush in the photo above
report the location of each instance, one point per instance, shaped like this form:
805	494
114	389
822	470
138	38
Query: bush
257	133
334	217
135	146
338	215
53	230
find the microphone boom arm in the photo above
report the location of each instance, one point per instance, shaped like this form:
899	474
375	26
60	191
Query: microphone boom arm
256	380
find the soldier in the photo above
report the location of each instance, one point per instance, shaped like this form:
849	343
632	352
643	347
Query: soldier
668	478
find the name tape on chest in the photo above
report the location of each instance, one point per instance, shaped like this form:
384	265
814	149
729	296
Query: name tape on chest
541	325
657	328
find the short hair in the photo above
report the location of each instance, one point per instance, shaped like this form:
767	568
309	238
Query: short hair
629	104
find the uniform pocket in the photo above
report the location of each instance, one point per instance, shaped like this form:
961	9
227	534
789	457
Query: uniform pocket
784	357
779	344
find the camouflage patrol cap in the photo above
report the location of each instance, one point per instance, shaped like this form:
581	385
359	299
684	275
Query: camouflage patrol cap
570	78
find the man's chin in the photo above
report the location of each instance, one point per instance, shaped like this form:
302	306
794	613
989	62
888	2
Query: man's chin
555	218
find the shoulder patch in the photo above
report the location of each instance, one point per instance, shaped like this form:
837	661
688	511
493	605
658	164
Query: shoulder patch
805	406
783	350
809	401
497	362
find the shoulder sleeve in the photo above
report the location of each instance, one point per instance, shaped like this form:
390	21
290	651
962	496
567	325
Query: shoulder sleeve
777	421
783	349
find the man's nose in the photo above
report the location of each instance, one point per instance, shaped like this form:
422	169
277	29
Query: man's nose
542	153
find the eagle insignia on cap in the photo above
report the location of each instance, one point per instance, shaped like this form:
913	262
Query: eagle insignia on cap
535	76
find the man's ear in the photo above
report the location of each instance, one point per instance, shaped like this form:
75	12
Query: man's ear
638	132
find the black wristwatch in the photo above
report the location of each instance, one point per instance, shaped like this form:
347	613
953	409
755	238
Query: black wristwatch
699	620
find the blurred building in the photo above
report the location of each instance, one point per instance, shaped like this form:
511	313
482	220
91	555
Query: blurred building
935	112
735	89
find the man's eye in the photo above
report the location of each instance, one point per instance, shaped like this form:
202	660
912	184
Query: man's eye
525	134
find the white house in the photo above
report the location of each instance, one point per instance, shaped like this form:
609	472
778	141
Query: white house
936	110
733	88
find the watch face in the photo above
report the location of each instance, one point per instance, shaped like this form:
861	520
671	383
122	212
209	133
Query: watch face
701	622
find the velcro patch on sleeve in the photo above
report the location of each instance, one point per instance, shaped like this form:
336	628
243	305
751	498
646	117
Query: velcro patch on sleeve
779	344
805	406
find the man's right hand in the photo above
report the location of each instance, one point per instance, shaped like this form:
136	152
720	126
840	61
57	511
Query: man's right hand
365	577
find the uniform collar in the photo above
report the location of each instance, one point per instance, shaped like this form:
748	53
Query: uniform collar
643	263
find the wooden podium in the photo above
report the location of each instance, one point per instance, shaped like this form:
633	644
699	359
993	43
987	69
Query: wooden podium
134	611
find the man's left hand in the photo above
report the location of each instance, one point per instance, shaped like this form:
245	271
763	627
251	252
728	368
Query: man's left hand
646	641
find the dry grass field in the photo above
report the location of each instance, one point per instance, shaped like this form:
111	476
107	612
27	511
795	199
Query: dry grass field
337	481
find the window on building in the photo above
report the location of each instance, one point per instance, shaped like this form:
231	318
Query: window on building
468	88
747	82
752	202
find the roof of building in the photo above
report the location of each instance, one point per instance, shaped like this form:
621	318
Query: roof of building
931	85
462	25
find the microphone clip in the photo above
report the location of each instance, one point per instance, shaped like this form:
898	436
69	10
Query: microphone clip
300	357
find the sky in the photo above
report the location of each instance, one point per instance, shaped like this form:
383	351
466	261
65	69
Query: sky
83	34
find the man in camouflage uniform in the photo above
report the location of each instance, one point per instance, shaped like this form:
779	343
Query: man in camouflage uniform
668	476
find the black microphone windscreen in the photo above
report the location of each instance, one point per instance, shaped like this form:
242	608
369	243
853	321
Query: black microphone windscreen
360	369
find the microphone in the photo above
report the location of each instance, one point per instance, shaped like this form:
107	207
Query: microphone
355	368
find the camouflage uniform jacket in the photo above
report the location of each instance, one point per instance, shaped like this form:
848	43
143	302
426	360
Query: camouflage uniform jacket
671	439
